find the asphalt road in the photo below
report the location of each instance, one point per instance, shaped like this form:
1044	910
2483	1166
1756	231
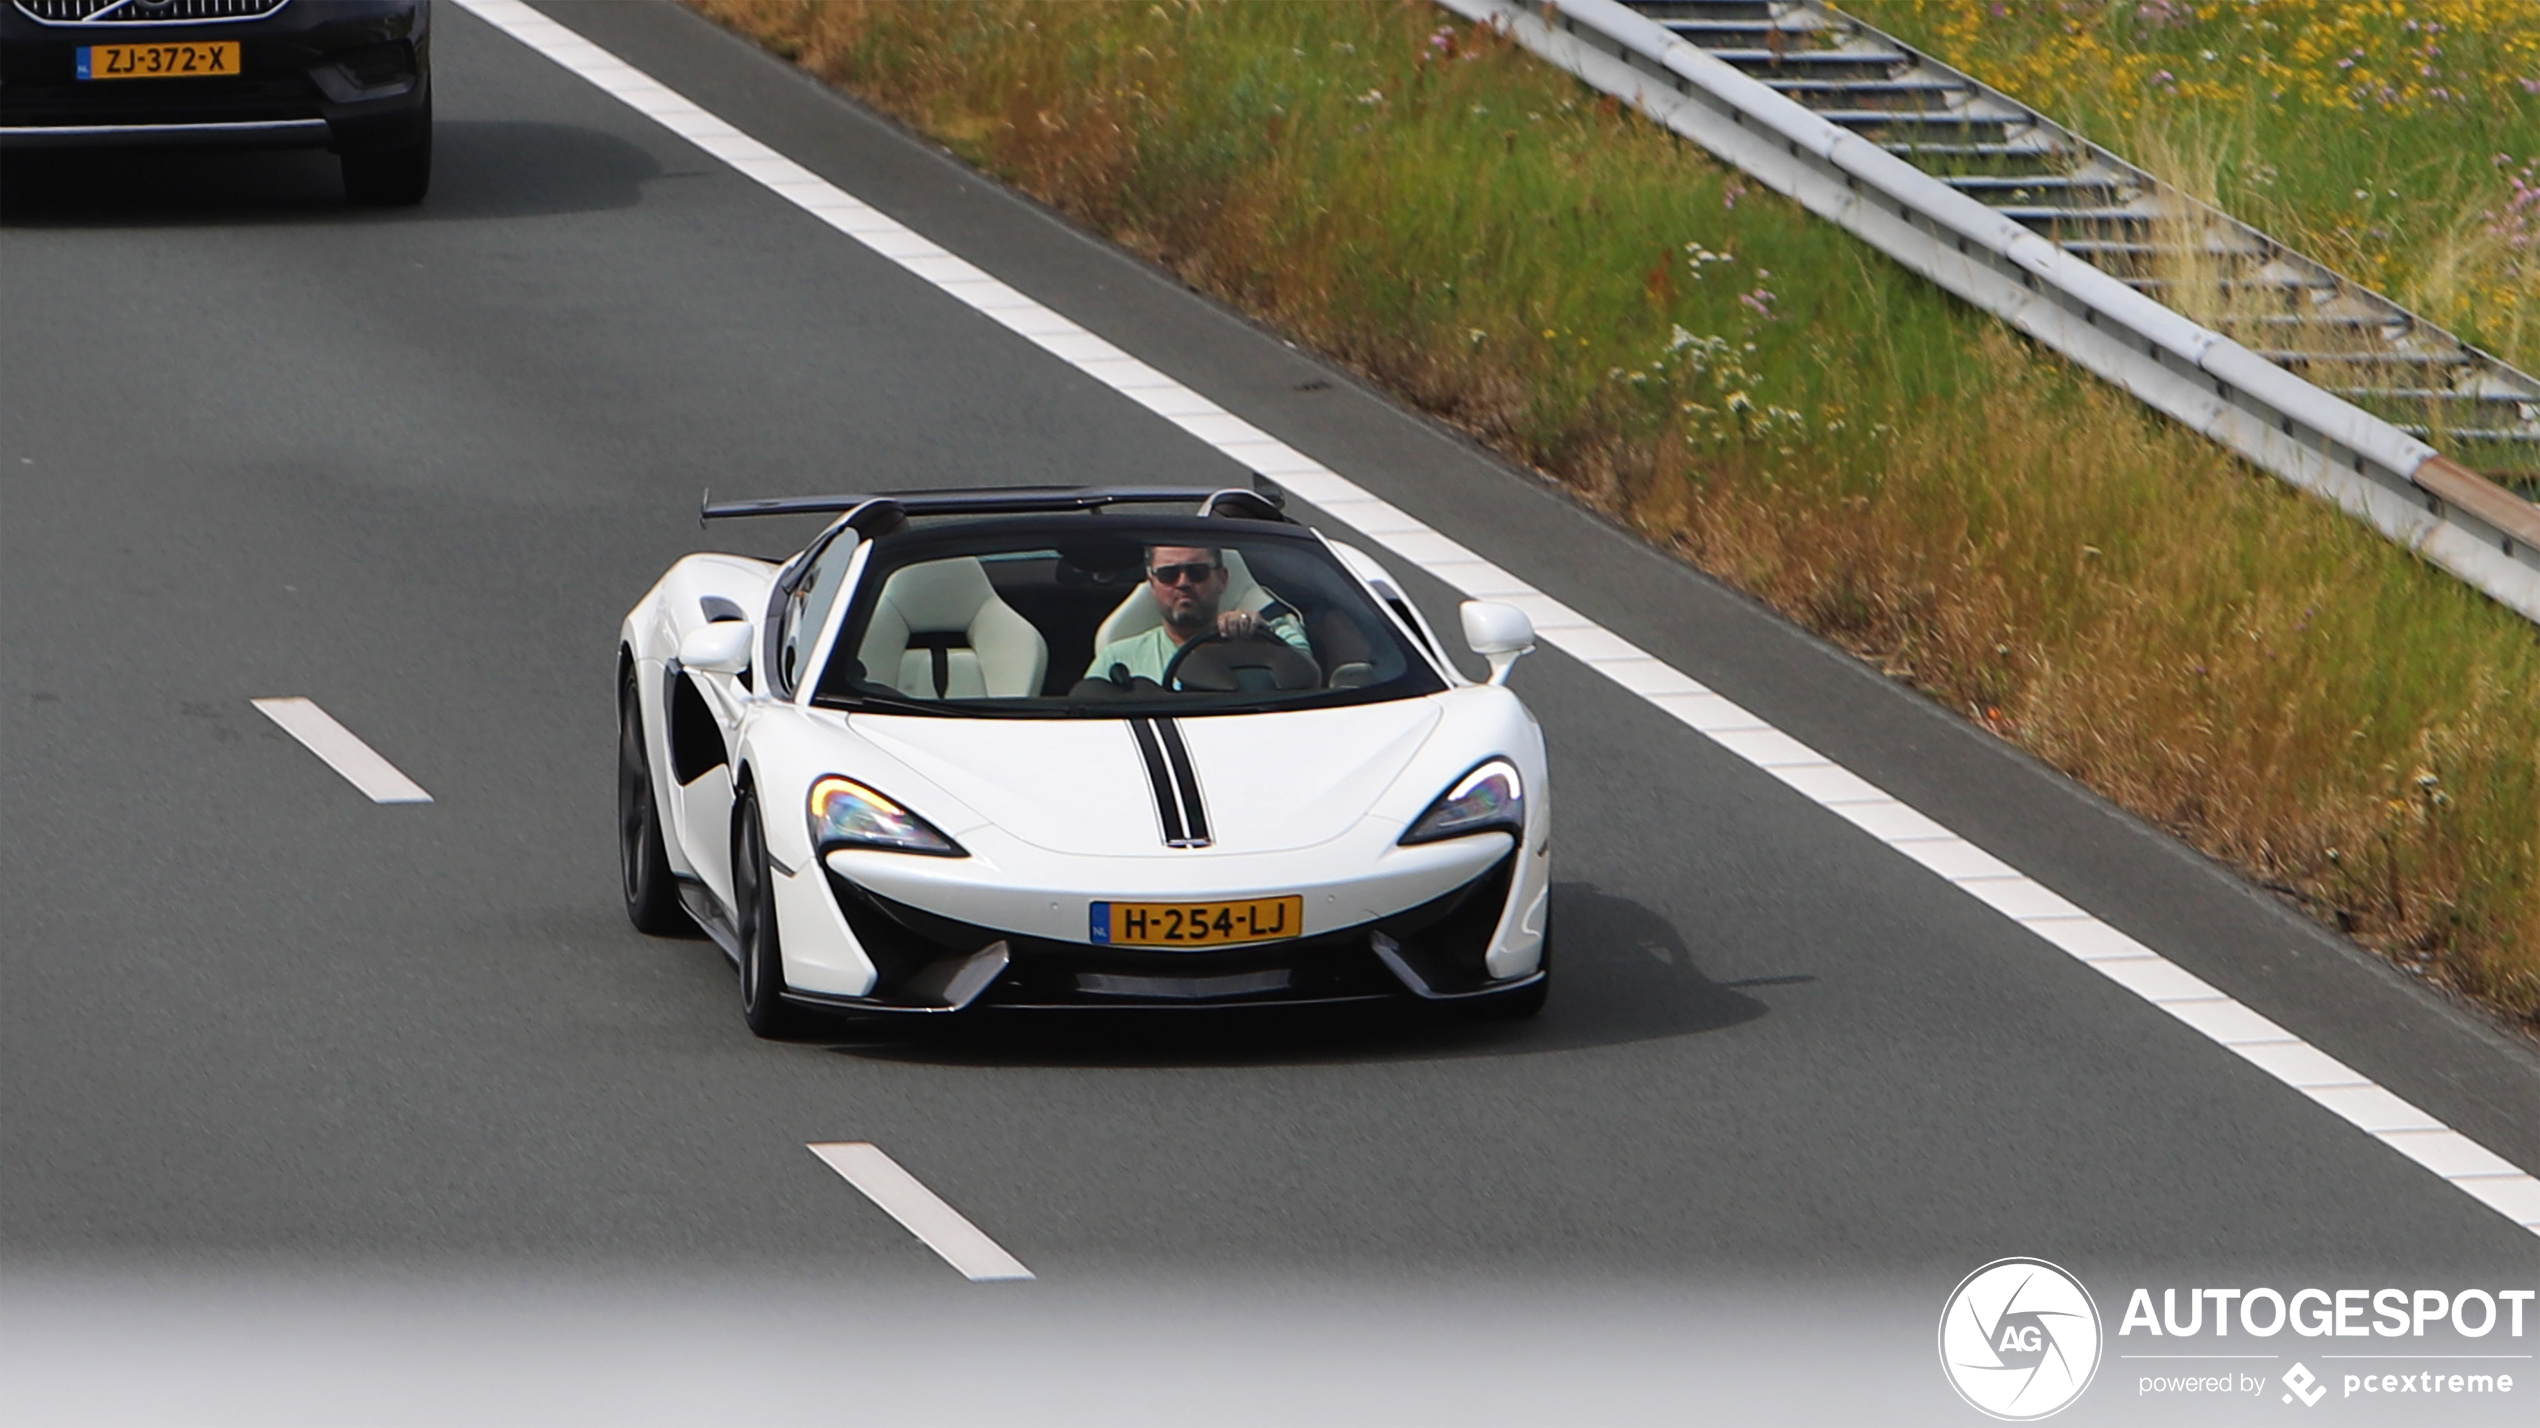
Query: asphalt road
416	466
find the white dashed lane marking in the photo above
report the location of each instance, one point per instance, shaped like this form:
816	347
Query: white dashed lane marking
962	1244
344	752
2331	1084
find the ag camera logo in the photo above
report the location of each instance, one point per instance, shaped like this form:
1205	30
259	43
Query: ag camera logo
2019	1339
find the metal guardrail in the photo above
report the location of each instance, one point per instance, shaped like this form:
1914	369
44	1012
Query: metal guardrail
2309	435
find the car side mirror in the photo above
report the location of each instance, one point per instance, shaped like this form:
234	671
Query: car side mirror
1499	634
722	647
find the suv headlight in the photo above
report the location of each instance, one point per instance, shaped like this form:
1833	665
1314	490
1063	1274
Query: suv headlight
1491	796
846	814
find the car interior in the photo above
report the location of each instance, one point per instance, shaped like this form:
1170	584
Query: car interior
1025	623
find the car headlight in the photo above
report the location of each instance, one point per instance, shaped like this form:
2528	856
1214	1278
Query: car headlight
1491	796
846	814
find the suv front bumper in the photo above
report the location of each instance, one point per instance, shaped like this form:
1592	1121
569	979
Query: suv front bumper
345	75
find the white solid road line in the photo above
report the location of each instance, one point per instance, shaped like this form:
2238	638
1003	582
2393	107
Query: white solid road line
921	1210
2464	1163
359	763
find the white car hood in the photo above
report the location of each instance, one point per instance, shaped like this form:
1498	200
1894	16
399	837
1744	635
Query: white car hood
1270	782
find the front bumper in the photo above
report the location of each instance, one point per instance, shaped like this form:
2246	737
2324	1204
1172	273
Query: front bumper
347	75
1437	950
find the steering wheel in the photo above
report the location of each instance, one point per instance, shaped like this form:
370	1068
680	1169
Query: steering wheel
1216	663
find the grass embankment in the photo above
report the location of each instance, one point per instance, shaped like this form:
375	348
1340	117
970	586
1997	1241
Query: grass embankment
1480	235
2399	143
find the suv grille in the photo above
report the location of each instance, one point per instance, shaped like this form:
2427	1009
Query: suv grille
146	12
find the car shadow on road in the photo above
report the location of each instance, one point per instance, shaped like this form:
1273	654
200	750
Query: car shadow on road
481	168
1623	974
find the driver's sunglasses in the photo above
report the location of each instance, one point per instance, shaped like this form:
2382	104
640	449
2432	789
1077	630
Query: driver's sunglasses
1194	573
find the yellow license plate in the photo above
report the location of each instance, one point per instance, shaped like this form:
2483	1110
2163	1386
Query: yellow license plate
196	59
1197	924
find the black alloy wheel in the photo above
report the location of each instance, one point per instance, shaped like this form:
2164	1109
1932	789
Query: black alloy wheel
652	891
763	1003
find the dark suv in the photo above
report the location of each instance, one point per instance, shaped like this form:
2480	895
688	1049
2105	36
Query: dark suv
354	76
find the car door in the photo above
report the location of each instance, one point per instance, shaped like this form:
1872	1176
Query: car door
706	708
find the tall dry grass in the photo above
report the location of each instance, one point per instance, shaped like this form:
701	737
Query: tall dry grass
2233	661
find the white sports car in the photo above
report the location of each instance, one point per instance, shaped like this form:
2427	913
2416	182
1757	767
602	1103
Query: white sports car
1078	747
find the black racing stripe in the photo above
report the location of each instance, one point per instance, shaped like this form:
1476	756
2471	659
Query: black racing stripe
1159	781
1186	777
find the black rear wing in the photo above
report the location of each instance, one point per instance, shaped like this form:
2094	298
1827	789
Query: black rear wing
885	511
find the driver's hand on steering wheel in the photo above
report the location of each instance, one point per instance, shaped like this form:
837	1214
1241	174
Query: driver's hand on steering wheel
1237	624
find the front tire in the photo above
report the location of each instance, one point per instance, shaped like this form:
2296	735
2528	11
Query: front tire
652	890
763	1003
395	177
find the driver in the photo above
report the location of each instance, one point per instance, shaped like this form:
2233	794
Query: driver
1187	582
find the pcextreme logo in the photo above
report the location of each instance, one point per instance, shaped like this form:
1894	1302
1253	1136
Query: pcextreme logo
2019	1339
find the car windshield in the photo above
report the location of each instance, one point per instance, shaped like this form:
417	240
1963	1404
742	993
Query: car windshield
1100	616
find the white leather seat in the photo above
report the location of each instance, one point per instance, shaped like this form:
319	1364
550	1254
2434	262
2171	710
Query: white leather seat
1139	613
939	631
